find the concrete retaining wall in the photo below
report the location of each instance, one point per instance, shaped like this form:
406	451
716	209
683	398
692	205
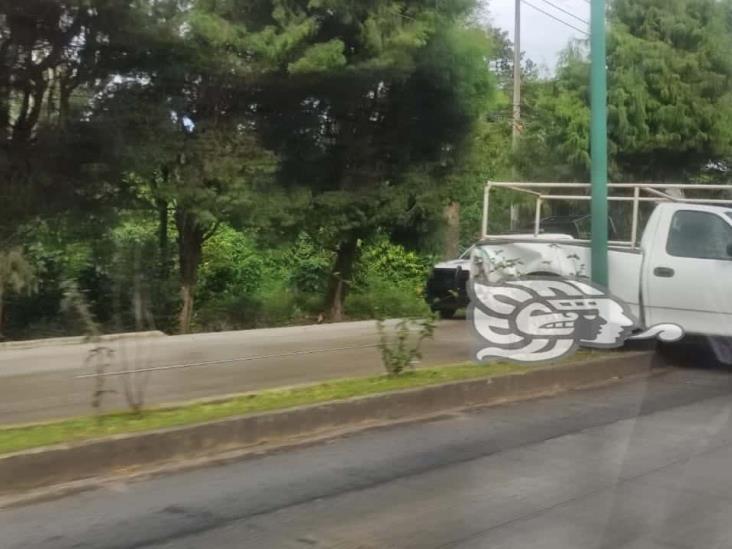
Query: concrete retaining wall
74	340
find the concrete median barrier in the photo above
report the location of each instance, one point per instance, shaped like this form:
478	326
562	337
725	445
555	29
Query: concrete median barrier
48	466
74	340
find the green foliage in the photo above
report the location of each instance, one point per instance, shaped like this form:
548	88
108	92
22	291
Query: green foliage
389	282
392	263
104	269
135	263
58	55
372	129
272	304
555	144
485	152
196	110
671	85
401	349
232	265
57	255
670	90
385	299
249	147
284	285
486	157
306	266
325	57
246	285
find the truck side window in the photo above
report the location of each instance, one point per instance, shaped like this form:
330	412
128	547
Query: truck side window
699	235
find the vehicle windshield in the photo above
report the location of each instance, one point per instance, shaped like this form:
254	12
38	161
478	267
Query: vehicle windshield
466	253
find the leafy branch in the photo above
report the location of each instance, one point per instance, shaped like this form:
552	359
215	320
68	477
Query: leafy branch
402	348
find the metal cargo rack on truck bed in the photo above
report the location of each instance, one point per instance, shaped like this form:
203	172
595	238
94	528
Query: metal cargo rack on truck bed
635	194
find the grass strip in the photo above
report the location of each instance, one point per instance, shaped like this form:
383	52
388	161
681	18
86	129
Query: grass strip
14	439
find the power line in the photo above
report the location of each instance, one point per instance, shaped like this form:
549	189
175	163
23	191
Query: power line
552	4
563	22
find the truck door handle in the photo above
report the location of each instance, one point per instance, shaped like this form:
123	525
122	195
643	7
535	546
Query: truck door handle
664	272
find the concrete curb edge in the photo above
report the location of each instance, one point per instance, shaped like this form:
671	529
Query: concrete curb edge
74	340
55	465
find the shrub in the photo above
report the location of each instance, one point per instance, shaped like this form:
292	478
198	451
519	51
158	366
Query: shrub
231	265
400	350
244	285
135	266
274	304
389	283
380	298
307	266
386	261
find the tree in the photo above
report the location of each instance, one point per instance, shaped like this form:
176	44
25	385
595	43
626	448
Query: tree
670	97
367	105
555	144
185	126
670	86
55	55
196	164
487	152
218	175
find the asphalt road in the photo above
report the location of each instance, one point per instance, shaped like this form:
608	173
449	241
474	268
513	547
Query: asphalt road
642	465
41	383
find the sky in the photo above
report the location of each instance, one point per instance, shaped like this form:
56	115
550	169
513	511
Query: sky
542	38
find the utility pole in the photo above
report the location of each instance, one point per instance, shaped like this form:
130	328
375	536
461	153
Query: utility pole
598	143
517	75
514	210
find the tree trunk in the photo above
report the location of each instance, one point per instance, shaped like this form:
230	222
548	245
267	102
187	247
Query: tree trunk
186	310
2	302
5	65
64	102
451	243
340	278
191	237
163	240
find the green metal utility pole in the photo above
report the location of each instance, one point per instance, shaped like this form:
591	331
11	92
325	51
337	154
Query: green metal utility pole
598	143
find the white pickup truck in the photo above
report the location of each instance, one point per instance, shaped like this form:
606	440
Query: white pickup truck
679	271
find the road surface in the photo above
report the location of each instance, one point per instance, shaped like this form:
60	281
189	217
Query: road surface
642	465
41	383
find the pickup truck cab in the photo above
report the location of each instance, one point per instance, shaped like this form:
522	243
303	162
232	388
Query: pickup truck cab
679	271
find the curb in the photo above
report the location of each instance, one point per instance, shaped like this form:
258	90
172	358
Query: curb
54	465
75	340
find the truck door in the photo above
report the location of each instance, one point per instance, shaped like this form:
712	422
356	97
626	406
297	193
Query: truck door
688	271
